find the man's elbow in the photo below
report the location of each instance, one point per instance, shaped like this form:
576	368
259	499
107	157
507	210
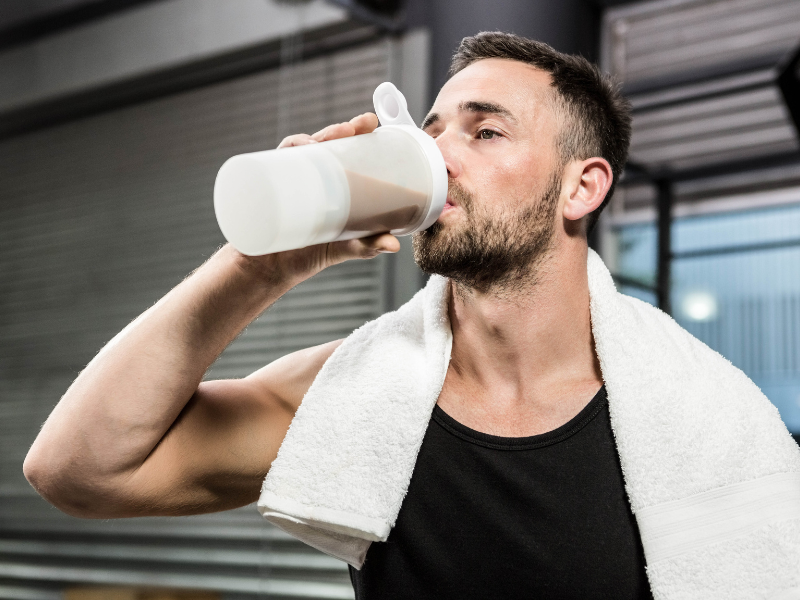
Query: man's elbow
68	492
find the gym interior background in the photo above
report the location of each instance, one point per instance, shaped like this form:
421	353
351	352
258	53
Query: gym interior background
115	116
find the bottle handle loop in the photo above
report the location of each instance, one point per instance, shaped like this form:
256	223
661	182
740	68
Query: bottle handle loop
391	106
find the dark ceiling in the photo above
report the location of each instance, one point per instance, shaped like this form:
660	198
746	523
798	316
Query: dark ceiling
16	12
23	21
26	20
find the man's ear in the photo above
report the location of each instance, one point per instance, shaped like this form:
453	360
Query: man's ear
588	182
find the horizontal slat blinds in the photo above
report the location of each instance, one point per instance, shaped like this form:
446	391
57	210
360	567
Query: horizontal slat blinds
681	39
729	127
702	78
98	219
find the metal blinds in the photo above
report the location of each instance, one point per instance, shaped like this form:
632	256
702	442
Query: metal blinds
650	43
98	219
702	78
731	122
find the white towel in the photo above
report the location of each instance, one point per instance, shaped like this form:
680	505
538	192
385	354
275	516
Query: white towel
712	474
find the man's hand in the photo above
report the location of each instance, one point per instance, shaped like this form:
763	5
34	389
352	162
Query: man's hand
365	123
306	262
137	433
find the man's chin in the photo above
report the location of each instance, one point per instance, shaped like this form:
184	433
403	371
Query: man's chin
435	240
436	250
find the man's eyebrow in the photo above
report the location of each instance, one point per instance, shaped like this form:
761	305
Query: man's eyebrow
430	120
487	107
474	106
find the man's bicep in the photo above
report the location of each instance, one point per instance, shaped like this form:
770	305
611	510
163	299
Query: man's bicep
214	455
217	453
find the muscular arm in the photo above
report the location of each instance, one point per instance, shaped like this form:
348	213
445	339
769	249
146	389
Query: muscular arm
218	451
139	434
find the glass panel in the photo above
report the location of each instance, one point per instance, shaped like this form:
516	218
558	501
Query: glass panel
736	287
745	303
725	231
636	260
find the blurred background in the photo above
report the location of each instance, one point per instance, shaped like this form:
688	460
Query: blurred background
115	116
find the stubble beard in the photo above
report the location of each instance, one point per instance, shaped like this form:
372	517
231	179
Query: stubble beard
500	254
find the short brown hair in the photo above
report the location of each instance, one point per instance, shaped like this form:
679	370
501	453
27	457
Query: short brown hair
598	117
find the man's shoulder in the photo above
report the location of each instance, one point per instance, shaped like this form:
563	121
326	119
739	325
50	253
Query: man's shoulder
288	378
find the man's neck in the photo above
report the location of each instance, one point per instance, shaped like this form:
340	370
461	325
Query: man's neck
523	361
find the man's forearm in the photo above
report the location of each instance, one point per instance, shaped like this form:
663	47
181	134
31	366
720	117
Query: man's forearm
128	396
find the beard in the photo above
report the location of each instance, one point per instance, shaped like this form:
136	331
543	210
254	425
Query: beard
491	253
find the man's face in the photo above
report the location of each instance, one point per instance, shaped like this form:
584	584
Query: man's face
495	125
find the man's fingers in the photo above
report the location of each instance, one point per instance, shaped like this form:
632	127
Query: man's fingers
299	139
334	132
365	123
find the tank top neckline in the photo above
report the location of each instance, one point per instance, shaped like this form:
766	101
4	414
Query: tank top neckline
496	442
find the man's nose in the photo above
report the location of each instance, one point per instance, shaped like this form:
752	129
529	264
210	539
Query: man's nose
448	147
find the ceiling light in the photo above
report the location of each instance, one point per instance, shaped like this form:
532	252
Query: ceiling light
699	306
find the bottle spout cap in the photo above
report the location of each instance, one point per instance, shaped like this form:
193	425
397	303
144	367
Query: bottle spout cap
391	106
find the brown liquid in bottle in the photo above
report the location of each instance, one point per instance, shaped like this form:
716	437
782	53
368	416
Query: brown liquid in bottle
377	206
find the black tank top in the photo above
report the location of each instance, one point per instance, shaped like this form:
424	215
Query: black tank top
490	517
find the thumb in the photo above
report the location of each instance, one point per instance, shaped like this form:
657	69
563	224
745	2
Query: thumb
368	247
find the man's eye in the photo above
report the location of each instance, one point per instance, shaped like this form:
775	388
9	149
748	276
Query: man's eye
487	134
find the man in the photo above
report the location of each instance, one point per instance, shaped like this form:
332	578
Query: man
518	490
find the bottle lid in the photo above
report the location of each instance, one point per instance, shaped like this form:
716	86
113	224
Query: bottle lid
392	110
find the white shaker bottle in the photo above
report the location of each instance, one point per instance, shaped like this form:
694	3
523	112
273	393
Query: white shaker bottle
393	179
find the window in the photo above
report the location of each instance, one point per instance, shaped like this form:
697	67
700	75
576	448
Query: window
735	286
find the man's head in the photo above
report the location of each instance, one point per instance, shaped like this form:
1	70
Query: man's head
532	138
